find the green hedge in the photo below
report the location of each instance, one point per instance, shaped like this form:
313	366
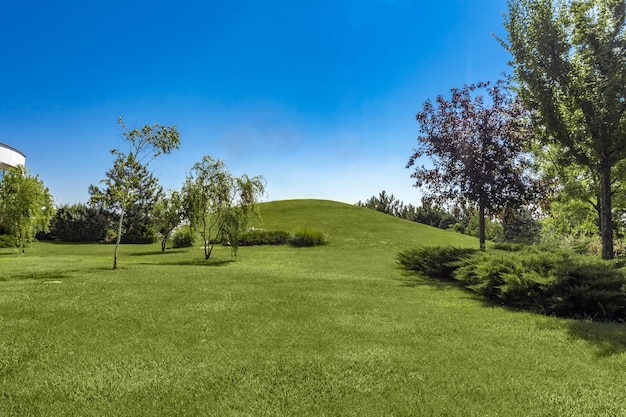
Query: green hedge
263	237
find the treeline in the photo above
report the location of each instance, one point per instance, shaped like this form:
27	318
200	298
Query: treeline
516	226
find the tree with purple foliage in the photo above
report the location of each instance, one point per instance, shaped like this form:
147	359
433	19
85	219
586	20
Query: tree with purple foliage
479	148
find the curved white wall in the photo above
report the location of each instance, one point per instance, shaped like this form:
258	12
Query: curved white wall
10	157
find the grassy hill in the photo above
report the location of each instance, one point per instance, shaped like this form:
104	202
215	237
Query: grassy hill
336	330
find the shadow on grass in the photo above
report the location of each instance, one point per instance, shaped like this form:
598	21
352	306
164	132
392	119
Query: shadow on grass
192	262
412	279
156	252
50	275
608	337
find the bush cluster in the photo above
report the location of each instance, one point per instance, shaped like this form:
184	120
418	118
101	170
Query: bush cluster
7	241
307	236
79	223
547	281
183	238
263	237
434	261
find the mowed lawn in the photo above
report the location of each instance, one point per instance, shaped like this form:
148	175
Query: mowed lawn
337	330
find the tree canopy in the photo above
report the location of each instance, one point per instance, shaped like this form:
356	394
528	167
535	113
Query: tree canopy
26	206
569	63
478	146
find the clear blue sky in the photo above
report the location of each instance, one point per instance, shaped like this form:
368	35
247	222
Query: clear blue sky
317	96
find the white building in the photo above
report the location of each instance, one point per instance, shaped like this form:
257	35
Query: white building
10	157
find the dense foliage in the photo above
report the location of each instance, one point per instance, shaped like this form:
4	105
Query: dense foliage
26	206
547	281
434	261
569	63
80	223
255	237
479	149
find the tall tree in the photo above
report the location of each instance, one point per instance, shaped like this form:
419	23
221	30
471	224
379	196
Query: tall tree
569	61
26	206
479	151
217	203
127	180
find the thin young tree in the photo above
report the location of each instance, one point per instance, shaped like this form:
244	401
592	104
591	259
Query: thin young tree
168	214
126	181
478	147
26	206
569	62
217	203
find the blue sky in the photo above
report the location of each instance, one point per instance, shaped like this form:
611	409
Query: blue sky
317	96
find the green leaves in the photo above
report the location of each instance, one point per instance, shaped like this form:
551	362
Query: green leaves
218	203
26	205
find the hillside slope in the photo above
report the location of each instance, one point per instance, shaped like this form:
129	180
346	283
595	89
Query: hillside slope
346	224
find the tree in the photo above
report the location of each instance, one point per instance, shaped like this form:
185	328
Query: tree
80	223
569	61
128	180
479	151
168	214
217	203
26	206
384	203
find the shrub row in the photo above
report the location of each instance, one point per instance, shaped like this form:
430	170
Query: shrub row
263	237
303	236
546	281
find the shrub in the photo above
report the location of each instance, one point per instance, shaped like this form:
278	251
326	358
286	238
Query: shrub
433	261
183	238
263	237
513	278
307	236
553	282
594	290
6	241
79	223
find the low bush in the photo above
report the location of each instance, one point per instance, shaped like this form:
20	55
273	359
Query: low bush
7	241
594	290
307	236
434	261
554	282
263	237
183	238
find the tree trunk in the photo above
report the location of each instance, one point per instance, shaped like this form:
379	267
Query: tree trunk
606	215
481	225
118	240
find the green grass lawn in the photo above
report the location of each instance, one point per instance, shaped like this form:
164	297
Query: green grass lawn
337	330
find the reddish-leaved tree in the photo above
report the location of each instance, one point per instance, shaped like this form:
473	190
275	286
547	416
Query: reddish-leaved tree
479	149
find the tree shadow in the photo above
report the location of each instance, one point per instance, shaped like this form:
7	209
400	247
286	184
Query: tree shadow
45	275
193	262
155	252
